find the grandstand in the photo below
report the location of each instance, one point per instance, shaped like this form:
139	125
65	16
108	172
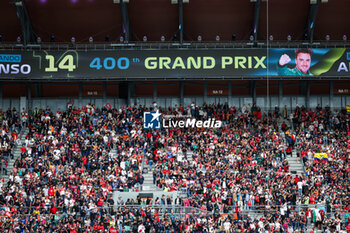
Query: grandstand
174	116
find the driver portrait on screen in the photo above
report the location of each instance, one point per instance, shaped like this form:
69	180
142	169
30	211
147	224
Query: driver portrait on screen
302	63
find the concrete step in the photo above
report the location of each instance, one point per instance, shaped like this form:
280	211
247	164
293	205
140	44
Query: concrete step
294	160
17	154
297	171
296	168
148	184
296	165
146	188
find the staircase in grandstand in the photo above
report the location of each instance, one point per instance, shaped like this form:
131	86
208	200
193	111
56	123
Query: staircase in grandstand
295	164
16	155
147	173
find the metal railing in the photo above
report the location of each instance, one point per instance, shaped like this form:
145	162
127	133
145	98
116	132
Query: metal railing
65	211
165	210
255	208
255	211
117	45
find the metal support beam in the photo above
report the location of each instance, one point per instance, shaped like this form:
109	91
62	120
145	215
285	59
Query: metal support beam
205	99
129	84
307	97
229	99
310	25
181	22
38	89
1	96
182	91
155	91
256	20
80	93
253	90
331	94
104	90
28	33
1	90
125	21
280	93
29	95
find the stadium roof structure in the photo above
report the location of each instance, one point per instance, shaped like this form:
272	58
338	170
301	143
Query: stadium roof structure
83	19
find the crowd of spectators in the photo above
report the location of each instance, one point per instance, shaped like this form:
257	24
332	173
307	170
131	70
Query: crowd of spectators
10	128
72	160
70	163
245	167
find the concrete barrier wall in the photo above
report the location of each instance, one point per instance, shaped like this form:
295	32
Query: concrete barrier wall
238	101
133	195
